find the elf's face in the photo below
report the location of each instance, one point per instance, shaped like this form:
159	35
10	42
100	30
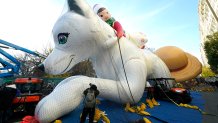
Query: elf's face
105	15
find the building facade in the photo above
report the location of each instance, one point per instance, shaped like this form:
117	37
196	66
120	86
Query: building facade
208	22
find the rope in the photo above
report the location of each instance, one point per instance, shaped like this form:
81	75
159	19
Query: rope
118	40
187	106
116	73
140	111
129	86
111	57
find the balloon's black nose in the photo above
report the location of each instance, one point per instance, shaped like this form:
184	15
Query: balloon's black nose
41	67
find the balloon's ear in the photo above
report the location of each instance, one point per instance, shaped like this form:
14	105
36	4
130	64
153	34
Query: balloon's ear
80	7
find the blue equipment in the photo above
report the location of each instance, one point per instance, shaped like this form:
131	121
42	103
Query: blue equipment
14	68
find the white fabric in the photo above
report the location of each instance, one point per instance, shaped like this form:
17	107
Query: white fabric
96	7
137	38
90	37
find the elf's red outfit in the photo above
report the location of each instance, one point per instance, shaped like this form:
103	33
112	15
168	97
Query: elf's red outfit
106	16
117	26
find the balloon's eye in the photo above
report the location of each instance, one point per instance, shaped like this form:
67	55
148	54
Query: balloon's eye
62	38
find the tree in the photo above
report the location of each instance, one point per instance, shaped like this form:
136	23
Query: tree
29	65
83	68
207	72
211	50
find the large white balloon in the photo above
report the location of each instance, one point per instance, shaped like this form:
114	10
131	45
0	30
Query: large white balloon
79	34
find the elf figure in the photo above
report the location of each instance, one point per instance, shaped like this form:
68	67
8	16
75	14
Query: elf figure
104	14
138	38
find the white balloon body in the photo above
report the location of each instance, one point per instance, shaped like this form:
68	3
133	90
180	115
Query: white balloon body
91	38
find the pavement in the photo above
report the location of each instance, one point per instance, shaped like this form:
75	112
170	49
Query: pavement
211	106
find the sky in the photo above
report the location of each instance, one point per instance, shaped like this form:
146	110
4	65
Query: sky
29	23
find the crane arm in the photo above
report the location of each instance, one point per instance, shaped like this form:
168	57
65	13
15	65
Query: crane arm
12	68
16	47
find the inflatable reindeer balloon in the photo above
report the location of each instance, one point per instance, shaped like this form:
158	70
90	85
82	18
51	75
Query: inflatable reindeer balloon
79	34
